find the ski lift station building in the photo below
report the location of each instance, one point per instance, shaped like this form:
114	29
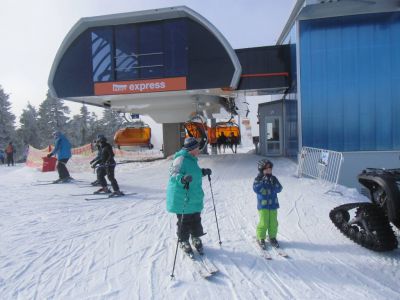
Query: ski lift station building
334	76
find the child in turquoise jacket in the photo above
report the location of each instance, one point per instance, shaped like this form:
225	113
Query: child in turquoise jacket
185	194
267	186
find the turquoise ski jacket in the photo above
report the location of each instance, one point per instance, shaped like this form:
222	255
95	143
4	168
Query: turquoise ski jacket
185	164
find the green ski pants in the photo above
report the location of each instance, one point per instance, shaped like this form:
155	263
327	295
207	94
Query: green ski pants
268	222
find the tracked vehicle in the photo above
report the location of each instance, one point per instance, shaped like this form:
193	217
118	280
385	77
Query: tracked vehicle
370	224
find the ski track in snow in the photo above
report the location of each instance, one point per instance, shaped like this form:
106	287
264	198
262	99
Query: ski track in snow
54	246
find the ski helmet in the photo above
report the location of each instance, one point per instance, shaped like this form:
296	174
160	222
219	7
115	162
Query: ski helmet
190	144
101	138
56	133
264	163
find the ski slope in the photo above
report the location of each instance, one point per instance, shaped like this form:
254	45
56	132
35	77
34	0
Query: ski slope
55	246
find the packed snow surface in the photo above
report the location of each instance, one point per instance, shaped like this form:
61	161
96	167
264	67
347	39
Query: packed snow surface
57	246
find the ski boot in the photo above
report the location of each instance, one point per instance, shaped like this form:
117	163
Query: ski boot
116	194
261	243
185	245
95	183
274	242
196	242
59	180
67	179
103	190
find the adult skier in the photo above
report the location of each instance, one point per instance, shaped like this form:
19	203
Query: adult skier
106	164
221	141
267	186
233	142
185	194
2	156
62	148
10	150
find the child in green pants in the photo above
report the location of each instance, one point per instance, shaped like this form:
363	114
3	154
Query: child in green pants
267	186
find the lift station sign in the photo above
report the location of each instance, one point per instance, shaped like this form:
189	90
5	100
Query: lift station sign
140	86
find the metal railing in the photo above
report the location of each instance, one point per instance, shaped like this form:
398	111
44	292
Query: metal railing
321	164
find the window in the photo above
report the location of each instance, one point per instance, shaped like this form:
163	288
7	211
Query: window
151	57
175	46
126	52
101	54
140	51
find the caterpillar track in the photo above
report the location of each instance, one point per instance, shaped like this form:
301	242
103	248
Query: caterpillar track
370	225
369	228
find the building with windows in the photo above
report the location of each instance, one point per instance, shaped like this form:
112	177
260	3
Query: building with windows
345	73
333	76
127	61
170	64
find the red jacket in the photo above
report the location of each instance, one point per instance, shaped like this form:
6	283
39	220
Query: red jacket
10	149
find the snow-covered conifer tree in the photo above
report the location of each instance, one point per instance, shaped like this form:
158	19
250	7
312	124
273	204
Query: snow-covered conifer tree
29	130
111	122
7	119
52	117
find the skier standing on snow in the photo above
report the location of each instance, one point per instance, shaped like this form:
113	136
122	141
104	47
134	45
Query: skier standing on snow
97	159
186	179
221	141
10	150
62	148
106	166
2	156
267	186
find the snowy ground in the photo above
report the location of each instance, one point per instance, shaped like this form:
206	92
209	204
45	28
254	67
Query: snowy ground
54	246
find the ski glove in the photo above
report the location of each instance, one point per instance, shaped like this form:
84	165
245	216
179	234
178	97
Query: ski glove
259	177
274	180
206	172
186	179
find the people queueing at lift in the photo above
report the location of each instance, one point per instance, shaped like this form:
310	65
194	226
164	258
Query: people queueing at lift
62	149
224	141
10	150
233	142
185	195
221	142
106	164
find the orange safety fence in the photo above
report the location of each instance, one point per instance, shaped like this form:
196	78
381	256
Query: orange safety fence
81	157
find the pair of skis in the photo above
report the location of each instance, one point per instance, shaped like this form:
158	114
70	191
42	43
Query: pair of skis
265	251
102	196
49	182
202	264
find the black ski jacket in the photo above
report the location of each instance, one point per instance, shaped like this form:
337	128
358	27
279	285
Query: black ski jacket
106	155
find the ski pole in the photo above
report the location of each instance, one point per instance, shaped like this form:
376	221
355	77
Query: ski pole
215	212
186	187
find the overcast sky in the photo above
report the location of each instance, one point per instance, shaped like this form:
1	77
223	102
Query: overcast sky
32	31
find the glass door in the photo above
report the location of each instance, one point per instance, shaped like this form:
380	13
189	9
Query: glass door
273	130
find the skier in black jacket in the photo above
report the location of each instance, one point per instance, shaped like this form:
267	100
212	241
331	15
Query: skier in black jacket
96	159
106	161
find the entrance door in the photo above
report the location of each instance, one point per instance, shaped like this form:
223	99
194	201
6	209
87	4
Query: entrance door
273	130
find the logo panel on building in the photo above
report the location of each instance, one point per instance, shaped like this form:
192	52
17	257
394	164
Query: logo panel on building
140	86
